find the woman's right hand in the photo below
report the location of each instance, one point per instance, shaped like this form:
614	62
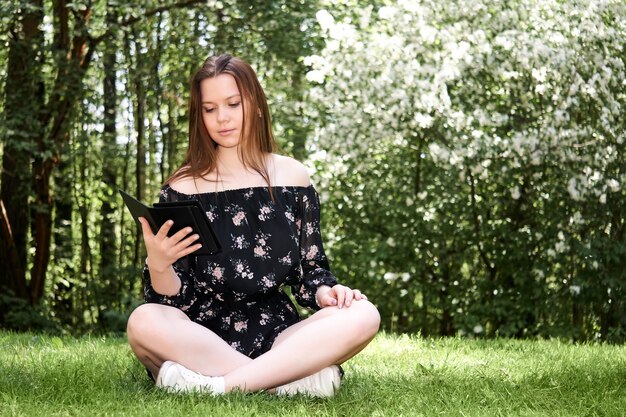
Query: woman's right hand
162	250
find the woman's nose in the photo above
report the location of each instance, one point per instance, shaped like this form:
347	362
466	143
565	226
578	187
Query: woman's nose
222	114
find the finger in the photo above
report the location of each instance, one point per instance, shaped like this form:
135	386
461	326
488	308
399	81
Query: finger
328	300
164	230
187	251
177	237
146	230
349	297
340	293
185	243
358	295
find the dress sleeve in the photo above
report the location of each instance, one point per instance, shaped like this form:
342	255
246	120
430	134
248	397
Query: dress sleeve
315	269
184	268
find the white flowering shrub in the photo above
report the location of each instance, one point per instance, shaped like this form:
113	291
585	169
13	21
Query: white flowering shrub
472	162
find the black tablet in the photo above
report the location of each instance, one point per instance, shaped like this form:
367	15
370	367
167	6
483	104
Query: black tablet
186	213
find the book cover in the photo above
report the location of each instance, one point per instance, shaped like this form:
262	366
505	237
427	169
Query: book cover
187	213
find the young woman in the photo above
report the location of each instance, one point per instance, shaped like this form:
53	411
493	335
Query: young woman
222	322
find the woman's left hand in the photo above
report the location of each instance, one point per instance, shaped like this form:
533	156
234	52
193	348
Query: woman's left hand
339	296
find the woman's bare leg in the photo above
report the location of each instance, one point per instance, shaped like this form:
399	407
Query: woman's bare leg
157	333
328	337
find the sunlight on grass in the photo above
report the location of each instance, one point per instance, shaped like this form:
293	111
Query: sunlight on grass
394	376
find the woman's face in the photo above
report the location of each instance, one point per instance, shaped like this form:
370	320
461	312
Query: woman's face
222	109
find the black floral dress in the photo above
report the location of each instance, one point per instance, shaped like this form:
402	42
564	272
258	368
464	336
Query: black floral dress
267	243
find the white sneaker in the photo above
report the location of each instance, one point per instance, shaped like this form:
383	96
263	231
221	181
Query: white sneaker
174	377
321	384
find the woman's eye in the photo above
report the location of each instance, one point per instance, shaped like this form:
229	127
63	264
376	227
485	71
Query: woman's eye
208	110
234	104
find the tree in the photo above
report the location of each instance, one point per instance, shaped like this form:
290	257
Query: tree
36	114
82	66
472	155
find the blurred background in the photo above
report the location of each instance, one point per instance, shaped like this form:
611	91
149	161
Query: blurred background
470	156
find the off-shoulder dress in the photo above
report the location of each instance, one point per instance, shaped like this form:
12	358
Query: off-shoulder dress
268	241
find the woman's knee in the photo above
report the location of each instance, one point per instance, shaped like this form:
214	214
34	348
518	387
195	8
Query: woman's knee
370	316
365	319
147	320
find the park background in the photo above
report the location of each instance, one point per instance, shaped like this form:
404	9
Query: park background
469	155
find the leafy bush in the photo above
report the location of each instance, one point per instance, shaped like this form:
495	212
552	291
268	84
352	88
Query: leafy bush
18	315
472	160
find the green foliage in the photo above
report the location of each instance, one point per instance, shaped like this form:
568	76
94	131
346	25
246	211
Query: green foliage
470	156
20	316
472	163
94	273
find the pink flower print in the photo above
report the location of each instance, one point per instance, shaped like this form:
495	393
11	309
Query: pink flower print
313	250
211	215
242	268
238	218
218	273
265	213
239	242
262	249
309	229
241	326
285	260
268	281
259	252
289	216
264	319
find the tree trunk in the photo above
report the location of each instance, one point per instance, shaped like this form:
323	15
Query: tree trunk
140	164
24	95
109	278
42	171
63	243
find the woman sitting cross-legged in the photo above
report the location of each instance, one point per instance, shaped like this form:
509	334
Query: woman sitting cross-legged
217	323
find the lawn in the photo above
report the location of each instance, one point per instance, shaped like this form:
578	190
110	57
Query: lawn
395	376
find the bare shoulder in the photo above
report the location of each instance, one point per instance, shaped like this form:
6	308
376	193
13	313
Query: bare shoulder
289	171
185	185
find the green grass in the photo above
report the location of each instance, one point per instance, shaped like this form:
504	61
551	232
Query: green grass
395	376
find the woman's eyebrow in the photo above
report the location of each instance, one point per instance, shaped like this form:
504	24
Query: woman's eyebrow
227	98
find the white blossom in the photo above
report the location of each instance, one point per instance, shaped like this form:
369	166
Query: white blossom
316	76
613	185
325	19
515	193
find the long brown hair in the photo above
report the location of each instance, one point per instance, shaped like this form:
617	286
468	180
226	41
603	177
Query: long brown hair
256	139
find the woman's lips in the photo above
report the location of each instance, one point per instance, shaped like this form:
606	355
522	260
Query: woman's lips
225	132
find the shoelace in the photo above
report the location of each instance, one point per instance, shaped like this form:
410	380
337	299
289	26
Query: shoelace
195	377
